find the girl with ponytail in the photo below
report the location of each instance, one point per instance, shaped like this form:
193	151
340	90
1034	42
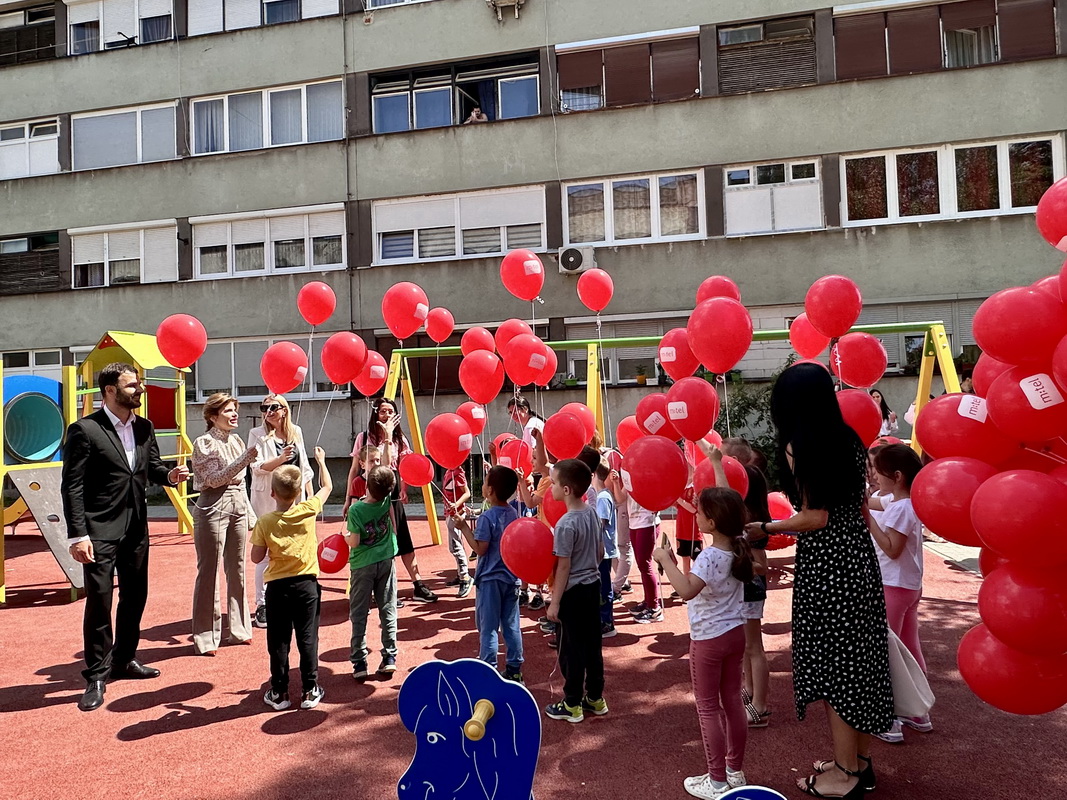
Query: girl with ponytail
714	588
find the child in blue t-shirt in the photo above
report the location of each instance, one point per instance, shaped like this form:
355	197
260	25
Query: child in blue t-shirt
496	600
605	510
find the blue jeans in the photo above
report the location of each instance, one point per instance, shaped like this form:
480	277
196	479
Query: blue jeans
607	593
496	606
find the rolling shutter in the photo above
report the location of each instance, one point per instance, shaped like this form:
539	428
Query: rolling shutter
123	245
505	208
248	231
635	328
330	223
968	15
414	214
88	249
766	65
287	228
859	46
205	16
580	70
318	8
914	40
160	262
628	75
1027	29
83	12
967	309
119	20
884	315
153	8
211	234
242	14
675	69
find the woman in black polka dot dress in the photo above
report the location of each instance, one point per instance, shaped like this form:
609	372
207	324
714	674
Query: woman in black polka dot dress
840	654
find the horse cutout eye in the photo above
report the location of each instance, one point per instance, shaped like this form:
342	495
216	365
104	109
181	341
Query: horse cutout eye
433	737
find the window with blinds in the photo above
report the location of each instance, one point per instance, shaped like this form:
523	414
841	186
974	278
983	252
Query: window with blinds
772	198
914	37
970	31
860	47
131	136
1027	29
233	367
618	364
113	258
775	54
212	16
450	226
27	35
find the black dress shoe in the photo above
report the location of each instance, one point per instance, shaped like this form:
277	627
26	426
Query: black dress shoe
136	670
93	697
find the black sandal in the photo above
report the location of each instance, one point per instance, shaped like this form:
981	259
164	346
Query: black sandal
855	793
867	778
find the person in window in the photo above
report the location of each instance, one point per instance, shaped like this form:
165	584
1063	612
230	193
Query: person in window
477	115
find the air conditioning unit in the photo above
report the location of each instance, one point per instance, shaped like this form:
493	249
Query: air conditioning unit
573	260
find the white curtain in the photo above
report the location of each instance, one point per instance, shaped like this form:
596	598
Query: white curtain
285	122
325	115
208	126
246	121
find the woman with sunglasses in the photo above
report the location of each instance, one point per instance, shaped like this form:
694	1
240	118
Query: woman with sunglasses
279	442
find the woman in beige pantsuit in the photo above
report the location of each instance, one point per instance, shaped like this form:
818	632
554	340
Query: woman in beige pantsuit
222	518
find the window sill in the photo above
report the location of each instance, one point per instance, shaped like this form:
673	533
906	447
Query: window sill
270	273
689	237
999	212
399	262
774	233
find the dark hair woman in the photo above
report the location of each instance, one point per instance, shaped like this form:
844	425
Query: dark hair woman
840	654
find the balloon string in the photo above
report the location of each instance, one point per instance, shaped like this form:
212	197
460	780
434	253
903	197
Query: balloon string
307	377
436	365
1049	456
326	416
602	388
726	403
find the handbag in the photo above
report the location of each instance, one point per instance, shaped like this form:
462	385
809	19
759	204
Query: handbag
912	696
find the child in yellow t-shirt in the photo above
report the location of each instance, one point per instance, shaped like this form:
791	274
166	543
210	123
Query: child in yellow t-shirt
293	592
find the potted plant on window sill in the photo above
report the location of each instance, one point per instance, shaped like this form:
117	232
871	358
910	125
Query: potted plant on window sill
570	382
641	373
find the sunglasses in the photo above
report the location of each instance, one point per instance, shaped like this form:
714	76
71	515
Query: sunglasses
271	408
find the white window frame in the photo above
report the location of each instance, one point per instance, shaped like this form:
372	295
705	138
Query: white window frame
115	111
457	226
27	137
264	110
374	111
137	17
500	93
268	248
946	176
654	210
309	382
377	5
54	371
107	231
414	106
754	186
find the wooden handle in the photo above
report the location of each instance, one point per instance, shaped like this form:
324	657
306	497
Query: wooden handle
475	727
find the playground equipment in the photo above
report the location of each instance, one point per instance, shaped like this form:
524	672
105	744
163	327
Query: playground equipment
477	736
36	413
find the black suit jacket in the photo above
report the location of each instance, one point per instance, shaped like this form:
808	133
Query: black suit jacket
102	496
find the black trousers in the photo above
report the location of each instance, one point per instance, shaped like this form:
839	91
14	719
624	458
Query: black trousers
293	605
127	557
581	659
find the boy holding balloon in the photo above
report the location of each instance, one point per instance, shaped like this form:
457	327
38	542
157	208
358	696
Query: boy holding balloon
293	592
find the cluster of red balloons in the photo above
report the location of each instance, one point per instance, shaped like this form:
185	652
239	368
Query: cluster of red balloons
523	357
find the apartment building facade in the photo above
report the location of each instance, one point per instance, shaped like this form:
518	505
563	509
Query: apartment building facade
211	156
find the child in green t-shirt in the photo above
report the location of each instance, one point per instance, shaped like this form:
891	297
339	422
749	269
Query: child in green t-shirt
372	538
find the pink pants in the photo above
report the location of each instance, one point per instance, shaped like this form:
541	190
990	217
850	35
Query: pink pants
902	612
644	542
715	665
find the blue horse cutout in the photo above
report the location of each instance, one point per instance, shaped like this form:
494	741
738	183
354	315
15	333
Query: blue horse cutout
436	701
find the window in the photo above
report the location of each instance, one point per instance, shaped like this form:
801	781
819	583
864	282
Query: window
383	3
634	209
124	137
246	121
951	180
618	365
233	367
275	11
452	226
106	24
770	55
212	16
297	240
29	148
772	198
27	35
44	363
115	257
84	38
501	88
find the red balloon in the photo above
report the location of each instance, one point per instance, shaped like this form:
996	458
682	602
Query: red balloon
595	289
720	333
476	339
861	413
717	286
1038	460
564	435
861	359
333	554
474	414
517	455
481	375
807	341
1052	215
1027	405
1020	325
508	330
522	274
780	506
1022	511
416	469
959	425
439	324
373	375
653	418
654	472
1063	280
283	367
316	302
693	407
1050	285
627	432
1008	679
343	356
585	414
675	355
833	304
989	560
551	365
987	370
1059	362
736	477
404	308
1026	608
526	547
554	509
181	339
941	495
614	458
694	455
449	440
524	358
501	440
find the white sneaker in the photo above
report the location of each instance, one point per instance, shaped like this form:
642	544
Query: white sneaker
694	780
921	724
894	735
706	788
735	778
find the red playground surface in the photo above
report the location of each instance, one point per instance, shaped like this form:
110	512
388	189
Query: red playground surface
202	731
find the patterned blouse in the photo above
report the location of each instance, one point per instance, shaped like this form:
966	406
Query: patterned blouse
220	459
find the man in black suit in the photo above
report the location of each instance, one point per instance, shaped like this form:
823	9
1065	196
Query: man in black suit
108	460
